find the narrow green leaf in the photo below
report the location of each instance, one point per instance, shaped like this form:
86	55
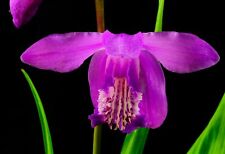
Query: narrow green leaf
134	142
212	139
43	120
159	19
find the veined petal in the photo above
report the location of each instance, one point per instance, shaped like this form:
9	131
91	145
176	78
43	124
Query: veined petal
97	75
180	52
154	103
23	10
103	70
62	52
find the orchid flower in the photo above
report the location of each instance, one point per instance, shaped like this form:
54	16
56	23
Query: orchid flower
23	10
127	83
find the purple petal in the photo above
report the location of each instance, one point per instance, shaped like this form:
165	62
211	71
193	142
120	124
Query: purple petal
96	78
102	70
96	119
23	10
154	103
180	52
123	45
62	52
97	75
136	123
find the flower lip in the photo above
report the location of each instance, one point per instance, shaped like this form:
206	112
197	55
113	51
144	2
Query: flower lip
122	45
119	104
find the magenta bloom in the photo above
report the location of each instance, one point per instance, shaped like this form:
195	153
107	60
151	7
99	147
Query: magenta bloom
23	10
127	83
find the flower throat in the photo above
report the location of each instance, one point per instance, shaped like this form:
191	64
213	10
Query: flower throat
119	105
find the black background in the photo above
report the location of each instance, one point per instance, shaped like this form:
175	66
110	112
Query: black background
192	98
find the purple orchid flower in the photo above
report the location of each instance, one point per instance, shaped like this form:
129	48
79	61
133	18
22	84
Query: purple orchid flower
23	10
127	84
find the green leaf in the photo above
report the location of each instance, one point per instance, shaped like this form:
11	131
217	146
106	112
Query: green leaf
159	18
43	120
134	142
212	139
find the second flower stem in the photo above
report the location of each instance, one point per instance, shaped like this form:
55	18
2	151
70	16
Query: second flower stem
99	7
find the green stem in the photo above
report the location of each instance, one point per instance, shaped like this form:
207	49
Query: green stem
99	7
159	19
97	139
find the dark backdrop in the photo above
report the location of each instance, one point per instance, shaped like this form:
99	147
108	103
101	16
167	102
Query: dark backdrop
192	98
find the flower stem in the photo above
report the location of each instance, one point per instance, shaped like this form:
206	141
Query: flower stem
99	7
159	19
97	139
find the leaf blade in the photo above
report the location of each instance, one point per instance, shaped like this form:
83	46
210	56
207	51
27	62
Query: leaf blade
134	142
212	139
41	113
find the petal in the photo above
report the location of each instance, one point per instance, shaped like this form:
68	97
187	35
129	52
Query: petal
97	75
62	52
23	10
180	52
96	119
103	69
123	45
136	123
96	78
154	101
